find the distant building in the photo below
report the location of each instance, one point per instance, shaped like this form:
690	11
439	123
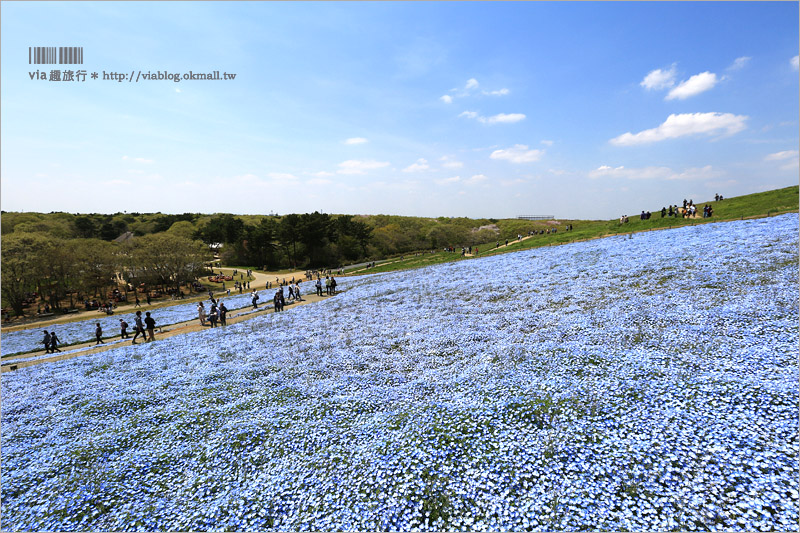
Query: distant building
536	217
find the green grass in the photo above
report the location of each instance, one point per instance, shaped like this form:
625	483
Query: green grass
756	205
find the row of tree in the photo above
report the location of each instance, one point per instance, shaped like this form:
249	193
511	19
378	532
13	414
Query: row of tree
309	240
64	272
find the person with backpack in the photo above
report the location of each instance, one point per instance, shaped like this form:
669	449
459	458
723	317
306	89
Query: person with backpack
123	327
223	314
333	285
151	326
54	343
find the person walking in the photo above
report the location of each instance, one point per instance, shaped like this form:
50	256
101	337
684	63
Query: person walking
148	297
212	315
328	285
255	299
333	285
46	341
297	292
54	343
201	313
123	327
223	314
98	333
138	327
319	287
276	301
151	326
138	303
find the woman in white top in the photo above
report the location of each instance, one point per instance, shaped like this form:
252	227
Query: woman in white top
201	313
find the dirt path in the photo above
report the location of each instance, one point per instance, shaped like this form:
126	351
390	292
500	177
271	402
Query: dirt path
490	250
240	315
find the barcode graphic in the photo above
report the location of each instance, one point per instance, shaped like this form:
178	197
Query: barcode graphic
50	55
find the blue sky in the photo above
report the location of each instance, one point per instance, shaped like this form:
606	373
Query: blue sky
578	110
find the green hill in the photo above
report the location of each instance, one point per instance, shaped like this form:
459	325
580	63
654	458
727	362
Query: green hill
756	205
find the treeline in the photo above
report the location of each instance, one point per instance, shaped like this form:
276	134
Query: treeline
64	272
310	240
65	257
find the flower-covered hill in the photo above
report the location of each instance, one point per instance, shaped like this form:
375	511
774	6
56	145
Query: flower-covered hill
646	382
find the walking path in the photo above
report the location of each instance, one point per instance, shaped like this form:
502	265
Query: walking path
259	282
172	330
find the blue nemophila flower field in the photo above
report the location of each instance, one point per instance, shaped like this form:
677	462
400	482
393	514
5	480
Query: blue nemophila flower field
644	383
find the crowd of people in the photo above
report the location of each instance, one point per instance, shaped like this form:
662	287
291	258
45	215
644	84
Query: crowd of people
689	210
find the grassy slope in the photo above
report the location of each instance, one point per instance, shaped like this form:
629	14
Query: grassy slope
750	206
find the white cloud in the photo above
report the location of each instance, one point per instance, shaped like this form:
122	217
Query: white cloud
546	142
446	181
421	164
500	118
519	153
659	79
318	181
471	83
685	124
791	159
118	182
447	99
137	159
177	90
355	140
739	62
503	118
450	163
322	174
282	176
795	62
249	178
499	92
655	173
695	85
477	178
779	156
355	166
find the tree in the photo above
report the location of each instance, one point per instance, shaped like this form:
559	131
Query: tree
362	234
22	257
447	235
169	260
84	226
97	267
315	232
182	228
258	243
289	234
224	228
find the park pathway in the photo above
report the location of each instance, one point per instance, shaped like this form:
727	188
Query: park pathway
189	326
